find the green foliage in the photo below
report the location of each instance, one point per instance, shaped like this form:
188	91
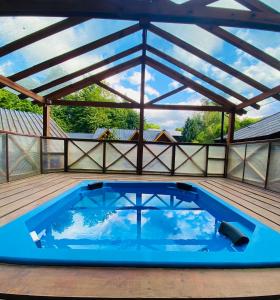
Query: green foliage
151	126
206	127
88	119
11	101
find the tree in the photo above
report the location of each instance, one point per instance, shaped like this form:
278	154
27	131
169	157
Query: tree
12	101
151	126
192	128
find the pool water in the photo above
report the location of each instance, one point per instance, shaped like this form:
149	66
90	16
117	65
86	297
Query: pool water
135	219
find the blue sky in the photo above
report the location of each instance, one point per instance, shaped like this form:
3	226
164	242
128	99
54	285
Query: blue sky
156	83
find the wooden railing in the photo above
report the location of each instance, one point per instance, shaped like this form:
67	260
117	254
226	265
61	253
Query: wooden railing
256	163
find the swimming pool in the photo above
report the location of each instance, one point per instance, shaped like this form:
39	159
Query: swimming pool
139	224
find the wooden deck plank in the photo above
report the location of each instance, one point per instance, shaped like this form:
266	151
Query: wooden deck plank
25	195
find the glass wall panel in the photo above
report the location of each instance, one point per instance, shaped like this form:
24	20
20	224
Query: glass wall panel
24	156
3	175
53	155
236	158
273	182
256	164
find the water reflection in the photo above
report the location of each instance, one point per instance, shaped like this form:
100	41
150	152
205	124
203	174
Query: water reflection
115	219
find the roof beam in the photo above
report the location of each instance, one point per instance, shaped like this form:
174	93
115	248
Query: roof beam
85	70
243	45
166	95
190	83
93	79
199	75
208	58
260	97
40	34
115	92
136	106
76	52
153	11
7	82
95	104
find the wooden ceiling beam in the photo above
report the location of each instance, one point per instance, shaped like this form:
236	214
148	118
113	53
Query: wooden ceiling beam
85	70
199	75
76	52
95	104
93	79
9	83
154	11
190	83
115	92
137	106
166	95
243	45
260	97
210	59
41	34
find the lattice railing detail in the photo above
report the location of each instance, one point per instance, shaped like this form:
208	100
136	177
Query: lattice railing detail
157	158
24	156
190	160
121	157
236	159
256	163
85	155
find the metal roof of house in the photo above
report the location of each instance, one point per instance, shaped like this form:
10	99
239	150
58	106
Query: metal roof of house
26	123
265	127
149	135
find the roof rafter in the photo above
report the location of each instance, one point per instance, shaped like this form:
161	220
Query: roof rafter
256	5
168	94
210	59
93	79
190	83
243	45
41	34
85	70
158	11
199	75
76	52
113	91
7	82
260	97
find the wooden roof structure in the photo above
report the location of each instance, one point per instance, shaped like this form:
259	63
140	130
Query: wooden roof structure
258	16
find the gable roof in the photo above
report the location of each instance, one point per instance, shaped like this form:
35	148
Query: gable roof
149	135
26	123
265	127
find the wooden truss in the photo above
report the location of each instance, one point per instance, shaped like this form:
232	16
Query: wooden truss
259	16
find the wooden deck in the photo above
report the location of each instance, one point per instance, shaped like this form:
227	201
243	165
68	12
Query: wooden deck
19	197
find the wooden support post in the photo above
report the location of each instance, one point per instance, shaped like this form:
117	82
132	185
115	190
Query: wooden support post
46	120
222	127
142	96
231	122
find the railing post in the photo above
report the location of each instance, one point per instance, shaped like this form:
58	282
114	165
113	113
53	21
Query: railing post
41	156
173	159
104	157
207	158
7	158
65	155
226	160
268	164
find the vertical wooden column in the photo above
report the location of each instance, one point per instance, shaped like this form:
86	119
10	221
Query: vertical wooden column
142	96
222	127
46	120
231	122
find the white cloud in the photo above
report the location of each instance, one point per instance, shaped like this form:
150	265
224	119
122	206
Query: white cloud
135	78
174	84
151	91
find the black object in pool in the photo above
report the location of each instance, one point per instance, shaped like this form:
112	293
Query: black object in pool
184	186
234	234
95	185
